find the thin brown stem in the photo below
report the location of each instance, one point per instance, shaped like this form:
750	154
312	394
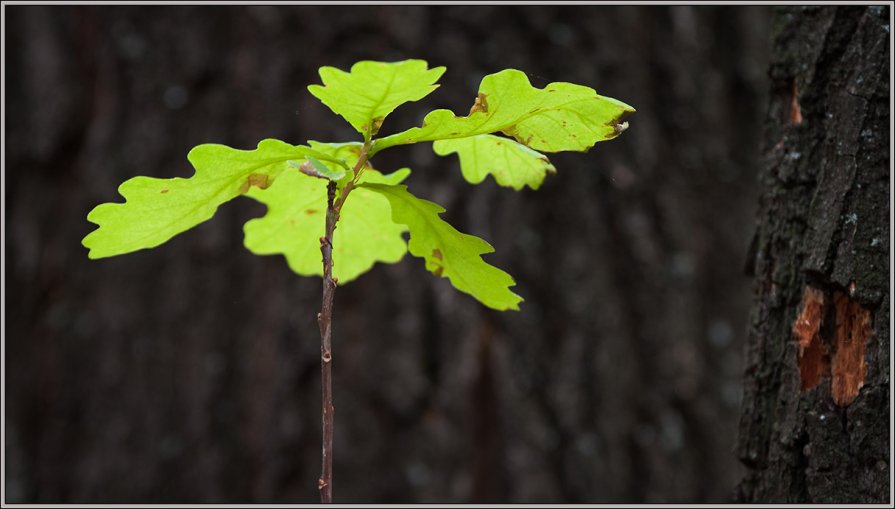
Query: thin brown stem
324	320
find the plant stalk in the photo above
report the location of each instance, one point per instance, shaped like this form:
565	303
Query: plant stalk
324	320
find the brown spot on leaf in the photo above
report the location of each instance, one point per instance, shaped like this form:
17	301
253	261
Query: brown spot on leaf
163	191
311	212
832	349
259	180
291	222
481	104
377	123
436	253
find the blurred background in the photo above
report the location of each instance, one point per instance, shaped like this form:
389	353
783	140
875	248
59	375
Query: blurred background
190	373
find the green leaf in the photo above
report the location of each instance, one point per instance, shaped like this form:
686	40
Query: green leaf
561	116
347	153
512	164
448	252
372	90
314	168
296	217
157	209
329	157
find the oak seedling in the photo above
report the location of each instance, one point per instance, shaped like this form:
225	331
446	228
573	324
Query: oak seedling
331	214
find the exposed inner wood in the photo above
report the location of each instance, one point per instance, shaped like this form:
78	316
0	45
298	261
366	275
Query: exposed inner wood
852	332
813	356
842	358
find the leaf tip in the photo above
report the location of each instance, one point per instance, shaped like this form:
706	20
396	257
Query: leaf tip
511	305
437	73
94	251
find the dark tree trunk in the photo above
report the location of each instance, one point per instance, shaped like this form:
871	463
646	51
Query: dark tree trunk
815	423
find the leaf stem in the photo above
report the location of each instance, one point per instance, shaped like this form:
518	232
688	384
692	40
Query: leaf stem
358	169
324	320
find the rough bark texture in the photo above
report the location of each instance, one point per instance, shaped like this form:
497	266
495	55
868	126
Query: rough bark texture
815	424
190	373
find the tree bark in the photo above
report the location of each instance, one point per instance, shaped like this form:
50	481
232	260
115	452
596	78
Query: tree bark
815	421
